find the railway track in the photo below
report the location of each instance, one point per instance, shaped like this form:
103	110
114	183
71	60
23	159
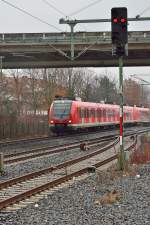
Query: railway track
39	152
20	188
22	141
45	151
17	189
4	143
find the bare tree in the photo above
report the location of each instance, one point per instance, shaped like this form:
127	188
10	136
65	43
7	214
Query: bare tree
3	93
16	89
35	91
49	85
132	92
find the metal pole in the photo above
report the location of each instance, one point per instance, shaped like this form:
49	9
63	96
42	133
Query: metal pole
142	102
121	158
1	162
1	65
72	41
137	18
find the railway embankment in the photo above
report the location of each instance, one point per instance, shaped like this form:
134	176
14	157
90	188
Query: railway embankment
106	197
141	153
85	202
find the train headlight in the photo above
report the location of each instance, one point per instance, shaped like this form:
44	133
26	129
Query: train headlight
69	121
52	121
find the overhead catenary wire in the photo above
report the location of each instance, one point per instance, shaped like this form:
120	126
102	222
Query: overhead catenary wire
84	8
59	11
29	14
53	7
145	10
85	49
141	13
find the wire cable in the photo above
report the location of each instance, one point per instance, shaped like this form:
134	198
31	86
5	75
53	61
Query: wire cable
145	10
52	6
29	14
60	12
85	7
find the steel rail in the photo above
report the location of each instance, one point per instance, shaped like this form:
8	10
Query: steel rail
56	167
50	150
58	149
9	201
22	140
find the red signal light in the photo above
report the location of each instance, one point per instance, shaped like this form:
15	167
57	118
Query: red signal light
123	20
115	20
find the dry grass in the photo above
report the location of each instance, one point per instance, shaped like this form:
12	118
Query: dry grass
107	177
109	198
113	173
142	154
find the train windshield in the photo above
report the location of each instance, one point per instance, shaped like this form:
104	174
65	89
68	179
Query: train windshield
61	109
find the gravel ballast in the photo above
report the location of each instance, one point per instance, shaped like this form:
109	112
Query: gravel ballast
77	204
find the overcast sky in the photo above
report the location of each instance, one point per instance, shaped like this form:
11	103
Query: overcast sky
50	11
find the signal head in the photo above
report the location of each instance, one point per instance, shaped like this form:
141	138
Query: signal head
119	34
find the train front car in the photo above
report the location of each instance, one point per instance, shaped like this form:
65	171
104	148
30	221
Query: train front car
60	116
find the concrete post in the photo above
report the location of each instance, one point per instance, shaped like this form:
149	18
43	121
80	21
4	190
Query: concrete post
1	162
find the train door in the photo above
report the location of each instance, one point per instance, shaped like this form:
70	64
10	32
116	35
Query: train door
82	115
79	115
101	115
98	115
90	116
135	114
87	112
115	115
93	115
104	115
86	115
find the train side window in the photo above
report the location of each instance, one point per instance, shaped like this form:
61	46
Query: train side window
98	113
87	113
104	113
90	113
79	112
108	113
143	114
82	113
101	112
93	113
128	114
111	113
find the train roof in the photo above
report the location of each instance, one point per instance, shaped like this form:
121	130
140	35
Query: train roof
102	105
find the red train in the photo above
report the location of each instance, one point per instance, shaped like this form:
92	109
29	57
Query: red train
70	115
